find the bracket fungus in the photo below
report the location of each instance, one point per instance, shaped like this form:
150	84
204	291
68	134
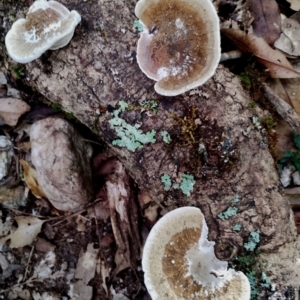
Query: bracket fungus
180	45
48	25
179	262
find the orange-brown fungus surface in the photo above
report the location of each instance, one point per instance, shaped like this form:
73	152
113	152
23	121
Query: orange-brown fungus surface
178	49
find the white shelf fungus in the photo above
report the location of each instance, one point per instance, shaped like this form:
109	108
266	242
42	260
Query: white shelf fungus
179	262
48	25
180	45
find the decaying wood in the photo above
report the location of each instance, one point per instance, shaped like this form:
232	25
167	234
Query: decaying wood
98	69
124	218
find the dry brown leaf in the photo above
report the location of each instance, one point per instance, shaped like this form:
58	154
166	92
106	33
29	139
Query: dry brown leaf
288	90
11	109
267	22
276	63
28	229
289	40
31	179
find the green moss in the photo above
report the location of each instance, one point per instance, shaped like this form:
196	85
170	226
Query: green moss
69	116
245	79
268	122
251	104
19	71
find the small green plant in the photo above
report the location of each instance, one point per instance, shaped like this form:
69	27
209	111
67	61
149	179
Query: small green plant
19	70
69	116
291	156
268	122
251	104
245	80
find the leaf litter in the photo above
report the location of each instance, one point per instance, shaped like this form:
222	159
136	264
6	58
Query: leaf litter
275	62
289	40
27	231
266	23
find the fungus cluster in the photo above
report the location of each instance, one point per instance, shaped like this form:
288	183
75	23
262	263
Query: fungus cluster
179	262
48	25
180	45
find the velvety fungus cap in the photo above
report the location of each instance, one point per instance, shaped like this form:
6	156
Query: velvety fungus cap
180	44
180	264
48	25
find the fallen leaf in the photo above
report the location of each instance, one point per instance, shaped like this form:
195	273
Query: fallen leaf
11	109
289	40
30	178
267	22
28	229
85	271
276	63
288	90
295	4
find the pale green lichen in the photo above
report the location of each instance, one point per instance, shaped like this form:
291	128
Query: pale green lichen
236	199
237	227
253	240
130	137
150	105
229	212
138	25
187	184
166	181
265	281
166	137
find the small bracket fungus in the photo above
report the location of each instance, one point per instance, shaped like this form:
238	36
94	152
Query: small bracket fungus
179	262
48	25
180	45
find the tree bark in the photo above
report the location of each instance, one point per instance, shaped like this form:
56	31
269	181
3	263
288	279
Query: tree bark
98	68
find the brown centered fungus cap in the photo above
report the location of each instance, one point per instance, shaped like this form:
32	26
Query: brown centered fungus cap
180	44
180	264
48	25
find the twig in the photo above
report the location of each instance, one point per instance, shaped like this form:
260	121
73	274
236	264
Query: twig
78	212
28	262
282	108
30	280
